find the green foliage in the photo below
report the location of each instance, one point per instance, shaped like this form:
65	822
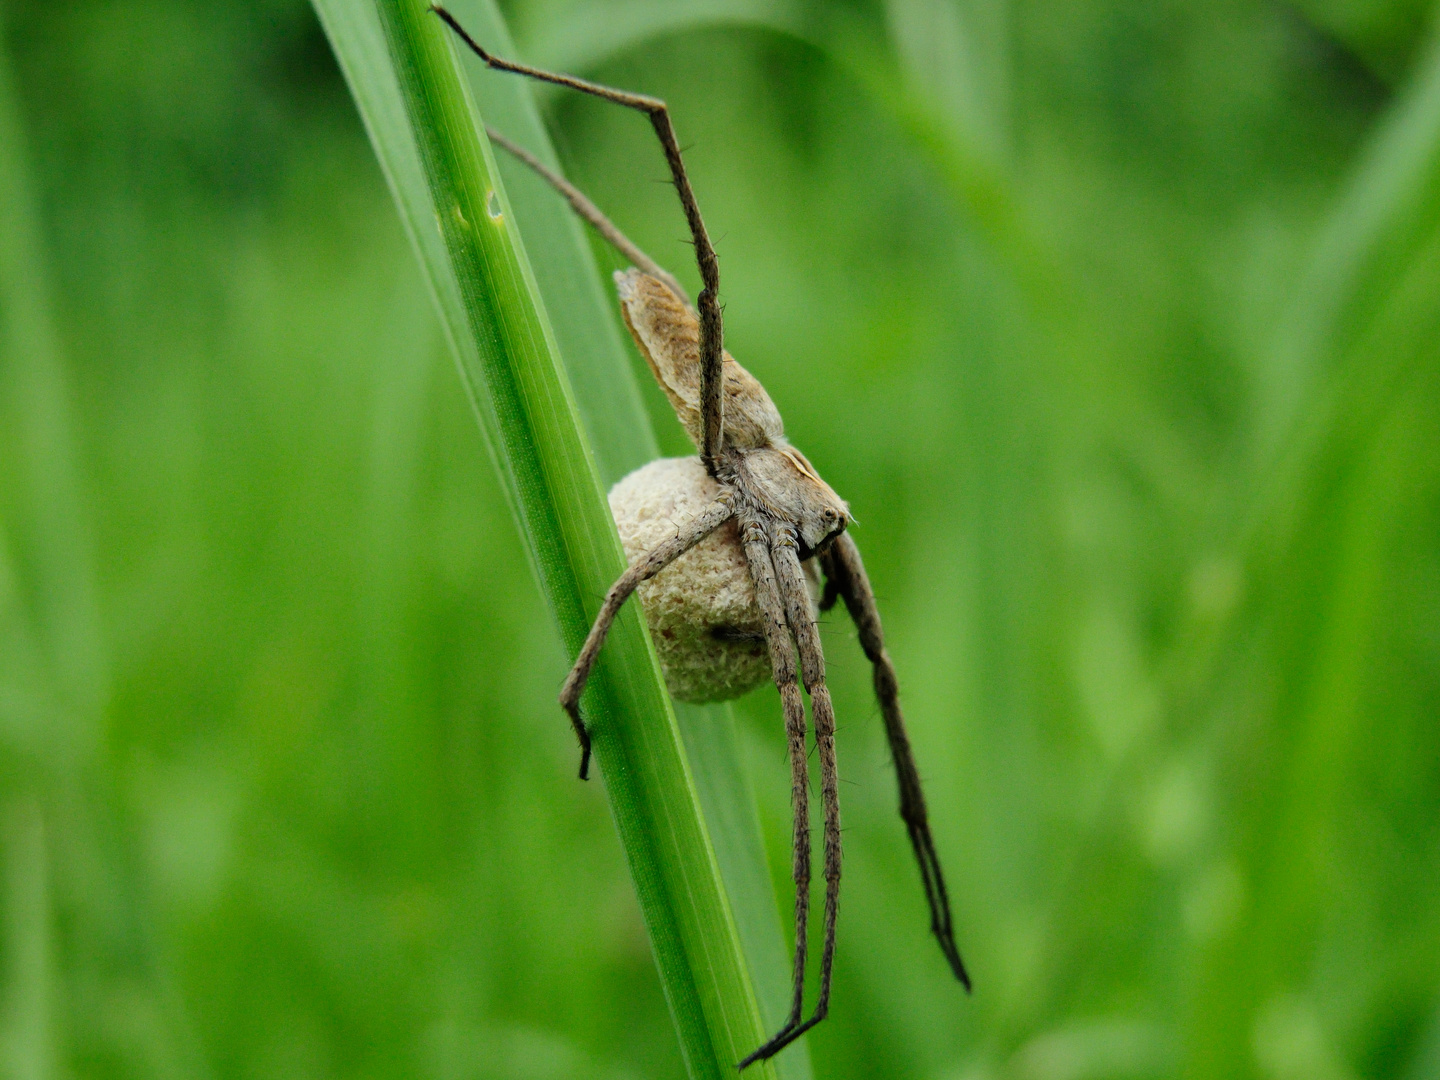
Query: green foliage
427	134
1115	322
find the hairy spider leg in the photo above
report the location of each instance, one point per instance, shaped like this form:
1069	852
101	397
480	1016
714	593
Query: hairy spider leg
795	594
712	403
756	540
643	569
845	574
581	204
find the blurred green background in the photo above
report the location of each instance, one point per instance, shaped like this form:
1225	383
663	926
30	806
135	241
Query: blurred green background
1117	321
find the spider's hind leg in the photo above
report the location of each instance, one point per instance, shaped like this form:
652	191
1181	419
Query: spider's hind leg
643	569
845	572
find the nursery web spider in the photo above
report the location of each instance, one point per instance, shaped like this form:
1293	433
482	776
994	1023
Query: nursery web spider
763	497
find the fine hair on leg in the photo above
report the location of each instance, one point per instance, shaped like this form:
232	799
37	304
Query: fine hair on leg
582	205
844	569
643	569
795	594
712	403
756	539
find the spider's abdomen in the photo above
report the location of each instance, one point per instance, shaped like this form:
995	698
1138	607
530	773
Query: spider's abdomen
701	609
667	333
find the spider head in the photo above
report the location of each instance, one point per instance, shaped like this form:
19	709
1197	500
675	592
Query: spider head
788	486
823	526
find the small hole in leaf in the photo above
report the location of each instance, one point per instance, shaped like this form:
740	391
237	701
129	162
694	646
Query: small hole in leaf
492	206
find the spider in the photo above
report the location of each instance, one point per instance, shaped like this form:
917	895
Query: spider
758	494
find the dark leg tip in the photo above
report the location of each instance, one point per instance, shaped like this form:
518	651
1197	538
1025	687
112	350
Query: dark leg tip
957	966
758	1055
783	1038
582	734
769	1050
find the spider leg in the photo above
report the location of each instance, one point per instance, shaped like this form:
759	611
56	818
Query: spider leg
796	595
843	568
582	205
643	569
707	303
782	662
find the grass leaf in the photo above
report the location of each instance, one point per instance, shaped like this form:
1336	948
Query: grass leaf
403	73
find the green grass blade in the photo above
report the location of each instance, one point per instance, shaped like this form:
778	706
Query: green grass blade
43	504
404	75
580	304
1347	452
582	311
29	1028
1387	210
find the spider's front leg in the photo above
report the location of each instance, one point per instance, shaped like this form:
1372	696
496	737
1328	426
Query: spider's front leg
643	569
756	540
712	399
845	577
796	596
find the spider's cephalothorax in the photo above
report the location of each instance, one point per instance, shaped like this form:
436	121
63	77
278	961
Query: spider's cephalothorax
750	513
